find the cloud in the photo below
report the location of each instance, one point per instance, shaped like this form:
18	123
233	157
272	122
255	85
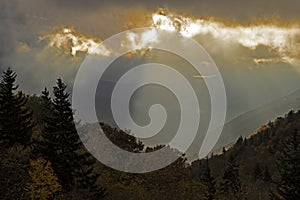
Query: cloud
72	42
11	19
22	22
248	84
204	77
229	9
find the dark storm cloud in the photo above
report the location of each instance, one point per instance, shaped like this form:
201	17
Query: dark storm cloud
10	20
246	10
24	21
237	9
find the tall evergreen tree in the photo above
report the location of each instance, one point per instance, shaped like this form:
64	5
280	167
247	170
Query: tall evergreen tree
86	178
15	120
208	180
61	144
59	140
288	163
46	104
231	185
257	172
266	175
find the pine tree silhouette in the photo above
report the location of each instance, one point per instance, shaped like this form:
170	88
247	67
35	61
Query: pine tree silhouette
288	163
231	184
15	120
209	181
62	147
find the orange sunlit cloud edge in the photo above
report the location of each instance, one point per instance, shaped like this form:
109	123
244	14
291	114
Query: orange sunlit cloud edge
279	37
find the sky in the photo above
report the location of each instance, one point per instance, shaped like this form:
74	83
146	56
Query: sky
23	23
252	76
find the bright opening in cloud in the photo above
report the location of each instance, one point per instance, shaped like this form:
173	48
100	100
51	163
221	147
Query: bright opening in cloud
72	42
283	39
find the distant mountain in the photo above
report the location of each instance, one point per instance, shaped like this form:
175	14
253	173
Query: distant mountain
247	123
256	155
243	125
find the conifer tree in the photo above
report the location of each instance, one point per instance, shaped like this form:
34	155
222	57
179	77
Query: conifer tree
208	180
288	163
46	105
224	150
60	140
15	120
62	147
231	186
267	175
86	178
14	173
257	172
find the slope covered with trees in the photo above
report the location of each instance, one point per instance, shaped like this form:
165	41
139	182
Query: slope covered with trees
42	157
254	167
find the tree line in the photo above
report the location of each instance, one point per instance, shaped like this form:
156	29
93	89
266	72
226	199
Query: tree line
59	164
42	157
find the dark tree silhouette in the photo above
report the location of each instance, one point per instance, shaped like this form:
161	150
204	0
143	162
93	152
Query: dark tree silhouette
46	105
257	172
209	181
62	147
15	120
231	184
288	163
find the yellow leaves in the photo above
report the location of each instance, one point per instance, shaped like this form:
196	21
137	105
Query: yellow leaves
44	182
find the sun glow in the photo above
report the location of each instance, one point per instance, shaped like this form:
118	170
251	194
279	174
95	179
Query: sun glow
72	42
282	39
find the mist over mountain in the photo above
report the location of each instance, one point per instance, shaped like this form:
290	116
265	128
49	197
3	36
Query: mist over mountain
250	103
247	123
256	155
51	143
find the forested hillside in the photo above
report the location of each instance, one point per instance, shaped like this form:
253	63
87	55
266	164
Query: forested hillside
42	157
254	158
